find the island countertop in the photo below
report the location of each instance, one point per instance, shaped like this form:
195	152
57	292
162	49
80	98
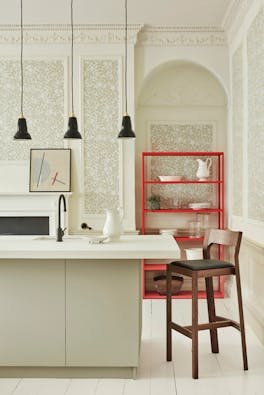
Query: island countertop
128	247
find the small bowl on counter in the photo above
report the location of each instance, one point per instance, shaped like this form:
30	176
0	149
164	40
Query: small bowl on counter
170	178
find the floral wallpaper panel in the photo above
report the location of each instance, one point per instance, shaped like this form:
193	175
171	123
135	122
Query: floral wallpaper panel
237	136
43	106
181	137
255	53
101	125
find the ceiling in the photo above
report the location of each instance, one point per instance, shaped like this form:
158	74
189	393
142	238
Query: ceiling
152	12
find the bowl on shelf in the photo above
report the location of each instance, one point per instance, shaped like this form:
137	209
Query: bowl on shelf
170	178
198	206
168	231
161	284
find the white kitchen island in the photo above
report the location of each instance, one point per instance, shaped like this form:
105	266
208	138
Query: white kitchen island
73	309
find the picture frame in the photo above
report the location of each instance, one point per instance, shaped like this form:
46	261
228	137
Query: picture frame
50	170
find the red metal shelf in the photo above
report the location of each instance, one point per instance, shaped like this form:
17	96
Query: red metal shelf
183	182
153	266
182	153
178	238
182	295
219	210
184	210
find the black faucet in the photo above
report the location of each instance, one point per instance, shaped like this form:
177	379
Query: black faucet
60	231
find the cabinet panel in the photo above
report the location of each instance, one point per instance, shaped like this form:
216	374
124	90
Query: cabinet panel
103	317
32	305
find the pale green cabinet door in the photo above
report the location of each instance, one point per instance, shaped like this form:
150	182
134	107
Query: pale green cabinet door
32	313
103	313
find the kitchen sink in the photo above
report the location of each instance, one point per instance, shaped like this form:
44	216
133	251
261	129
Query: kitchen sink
92	239
65	238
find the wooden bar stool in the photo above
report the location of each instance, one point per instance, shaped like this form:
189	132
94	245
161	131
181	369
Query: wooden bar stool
207	268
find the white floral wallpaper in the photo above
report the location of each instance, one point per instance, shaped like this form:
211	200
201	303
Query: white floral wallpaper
43	106
181	137
237	136
101	126
255	53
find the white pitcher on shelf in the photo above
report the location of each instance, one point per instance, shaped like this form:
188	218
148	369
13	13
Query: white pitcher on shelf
203	169
113	224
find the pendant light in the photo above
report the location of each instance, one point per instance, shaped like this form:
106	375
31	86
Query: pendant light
126	131
22	133
72	132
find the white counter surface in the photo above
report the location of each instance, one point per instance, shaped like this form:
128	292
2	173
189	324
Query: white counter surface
128	247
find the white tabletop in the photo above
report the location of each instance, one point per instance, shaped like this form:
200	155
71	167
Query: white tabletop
128	247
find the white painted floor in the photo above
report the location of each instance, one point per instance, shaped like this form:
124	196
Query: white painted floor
220	374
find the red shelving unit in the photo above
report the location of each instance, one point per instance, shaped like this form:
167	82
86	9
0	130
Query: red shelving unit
218	181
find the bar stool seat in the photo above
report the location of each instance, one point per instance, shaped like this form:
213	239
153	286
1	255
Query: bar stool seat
207	268
202	264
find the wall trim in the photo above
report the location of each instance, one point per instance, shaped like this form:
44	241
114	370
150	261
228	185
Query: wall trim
61	34
182	36
255	316
154	35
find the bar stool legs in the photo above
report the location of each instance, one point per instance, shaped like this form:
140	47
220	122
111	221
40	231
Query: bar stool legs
169	316
211	313
241	319
195	326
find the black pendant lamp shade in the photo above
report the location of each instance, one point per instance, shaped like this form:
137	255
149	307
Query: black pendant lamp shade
126	131
22	132
72	132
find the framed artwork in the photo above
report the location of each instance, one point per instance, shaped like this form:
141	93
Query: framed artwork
50	170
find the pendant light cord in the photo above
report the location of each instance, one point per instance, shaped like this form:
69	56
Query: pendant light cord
126	54
72	55
21	56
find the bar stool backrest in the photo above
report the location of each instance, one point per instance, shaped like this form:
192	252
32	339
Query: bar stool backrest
222	237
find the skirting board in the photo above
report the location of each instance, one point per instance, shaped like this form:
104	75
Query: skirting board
63	372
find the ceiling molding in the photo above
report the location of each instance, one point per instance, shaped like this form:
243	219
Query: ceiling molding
110	34
61	34
182	36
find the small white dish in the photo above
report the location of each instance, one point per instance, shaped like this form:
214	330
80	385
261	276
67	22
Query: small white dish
170	178
96	239
197	206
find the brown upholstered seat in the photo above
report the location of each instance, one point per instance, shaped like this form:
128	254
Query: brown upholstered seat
202	264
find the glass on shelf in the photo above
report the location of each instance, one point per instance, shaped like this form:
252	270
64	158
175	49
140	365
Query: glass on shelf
195	229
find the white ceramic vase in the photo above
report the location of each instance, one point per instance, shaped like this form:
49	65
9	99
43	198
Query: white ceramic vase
203	170
112	227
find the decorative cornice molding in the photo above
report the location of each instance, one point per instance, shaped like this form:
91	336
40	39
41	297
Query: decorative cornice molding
182	36
61	34
114	34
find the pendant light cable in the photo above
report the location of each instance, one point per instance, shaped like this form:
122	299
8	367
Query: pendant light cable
21	57
126	131
72	132
72	55
22	132
126	55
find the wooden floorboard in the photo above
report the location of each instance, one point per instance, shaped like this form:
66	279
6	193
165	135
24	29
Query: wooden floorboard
219	373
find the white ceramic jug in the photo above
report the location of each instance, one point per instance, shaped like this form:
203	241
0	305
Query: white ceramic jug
112	227
203	169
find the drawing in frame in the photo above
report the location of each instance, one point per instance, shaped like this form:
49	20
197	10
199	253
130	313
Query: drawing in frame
50	170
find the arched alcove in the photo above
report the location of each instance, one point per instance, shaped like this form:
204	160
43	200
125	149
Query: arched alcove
182	106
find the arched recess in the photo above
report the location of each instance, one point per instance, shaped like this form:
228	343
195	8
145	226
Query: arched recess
182	106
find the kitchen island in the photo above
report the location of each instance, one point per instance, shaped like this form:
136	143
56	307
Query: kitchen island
73	309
